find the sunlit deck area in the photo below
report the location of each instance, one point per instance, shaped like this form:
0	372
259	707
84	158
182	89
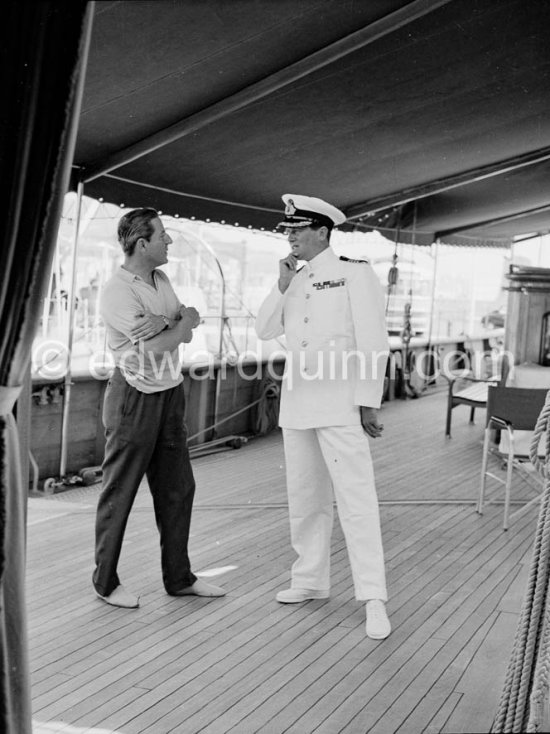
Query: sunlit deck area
245	663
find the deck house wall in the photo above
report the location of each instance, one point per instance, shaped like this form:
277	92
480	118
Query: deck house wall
209	400
528	303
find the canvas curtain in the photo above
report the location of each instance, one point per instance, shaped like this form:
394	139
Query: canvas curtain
43	50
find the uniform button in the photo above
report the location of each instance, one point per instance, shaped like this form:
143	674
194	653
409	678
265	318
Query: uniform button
308	295
306	319
304	343
311	275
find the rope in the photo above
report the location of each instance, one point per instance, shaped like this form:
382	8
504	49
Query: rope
223	420
521	707
267	413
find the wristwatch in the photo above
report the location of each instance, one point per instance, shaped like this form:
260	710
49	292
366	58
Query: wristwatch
166	321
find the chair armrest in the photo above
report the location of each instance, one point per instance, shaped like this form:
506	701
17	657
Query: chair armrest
468	378
451	381
499	422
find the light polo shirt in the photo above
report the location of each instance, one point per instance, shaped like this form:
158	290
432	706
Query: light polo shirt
124	299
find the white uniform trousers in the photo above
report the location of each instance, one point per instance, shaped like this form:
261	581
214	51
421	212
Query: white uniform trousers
318	461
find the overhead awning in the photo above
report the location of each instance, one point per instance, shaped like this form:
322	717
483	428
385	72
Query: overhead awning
425	119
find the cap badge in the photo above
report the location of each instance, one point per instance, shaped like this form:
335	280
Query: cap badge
290	209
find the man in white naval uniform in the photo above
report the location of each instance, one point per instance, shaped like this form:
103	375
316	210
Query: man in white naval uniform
331	312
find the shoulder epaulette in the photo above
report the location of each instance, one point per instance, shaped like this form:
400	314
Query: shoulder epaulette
350	260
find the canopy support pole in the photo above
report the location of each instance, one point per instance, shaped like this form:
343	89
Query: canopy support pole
432	304
78	229
72	308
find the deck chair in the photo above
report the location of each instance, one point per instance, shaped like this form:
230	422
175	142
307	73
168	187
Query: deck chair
511	409
473	395
471	389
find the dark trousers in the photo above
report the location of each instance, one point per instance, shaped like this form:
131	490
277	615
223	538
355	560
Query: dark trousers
145	435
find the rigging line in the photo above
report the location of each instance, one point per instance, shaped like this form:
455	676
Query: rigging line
223	420
393	274
271	390
231	292
413	246
211	199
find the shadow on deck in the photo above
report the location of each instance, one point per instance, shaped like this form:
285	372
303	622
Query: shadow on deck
246	664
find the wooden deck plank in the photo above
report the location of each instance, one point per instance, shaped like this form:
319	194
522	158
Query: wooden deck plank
472	714
442	714
425	624
247	664
418	681
119	642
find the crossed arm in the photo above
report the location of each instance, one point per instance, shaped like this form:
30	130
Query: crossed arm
151	328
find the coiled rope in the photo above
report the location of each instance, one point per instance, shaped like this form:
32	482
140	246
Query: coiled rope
267	410
525	692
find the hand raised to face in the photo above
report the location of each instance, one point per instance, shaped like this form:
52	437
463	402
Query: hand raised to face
287	271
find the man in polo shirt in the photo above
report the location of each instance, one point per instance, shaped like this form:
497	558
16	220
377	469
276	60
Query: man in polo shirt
143	412
331	311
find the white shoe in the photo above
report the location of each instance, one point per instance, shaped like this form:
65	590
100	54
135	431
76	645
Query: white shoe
120	598
295	596
201	588
378	625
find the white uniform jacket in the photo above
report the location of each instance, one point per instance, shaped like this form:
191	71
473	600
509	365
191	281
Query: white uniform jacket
332	315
